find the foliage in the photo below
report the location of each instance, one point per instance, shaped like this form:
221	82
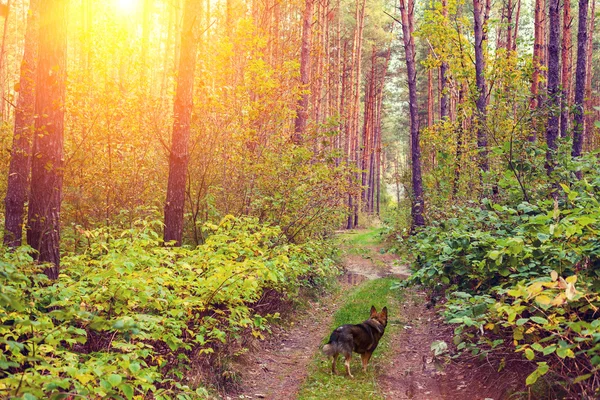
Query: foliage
524	275
126	316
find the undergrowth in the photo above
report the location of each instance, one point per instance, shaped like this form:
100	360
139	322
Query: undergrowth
523	277
128	316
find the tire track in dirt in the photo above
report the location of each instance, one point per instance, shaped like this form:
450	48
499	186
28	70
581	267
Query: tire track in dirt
277	367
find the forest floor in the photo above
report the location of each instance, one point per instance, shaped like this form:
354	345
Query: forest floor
289	364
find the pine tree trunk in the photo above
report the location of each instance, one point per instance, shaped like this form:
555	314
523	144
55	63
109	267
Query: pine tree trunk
444	98
537	62
2	62
409	50
43	224
481	101
182	110
302	108
553	67
566	69
580	80
20	160
589	118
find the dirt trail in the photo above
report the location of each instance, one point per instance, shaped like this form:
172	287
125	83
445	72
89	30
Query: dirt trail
278	366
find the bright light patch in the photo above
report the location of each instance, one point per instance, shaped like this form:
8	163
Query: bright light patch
127	6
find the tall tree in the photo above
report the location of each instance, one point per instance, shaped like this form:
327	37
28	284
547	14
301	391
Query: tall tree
580	79
182	110
481	101
407	8
302	108
553	83
43	225
537	59
566	68
20	160
444	98
589	117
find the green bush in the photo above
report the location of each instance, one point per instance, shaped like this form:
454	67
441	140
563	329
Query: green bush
524	277
125	316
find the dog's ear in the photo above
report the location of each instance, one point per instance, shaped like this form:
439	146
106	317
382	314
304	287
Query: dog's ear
384	313
373	311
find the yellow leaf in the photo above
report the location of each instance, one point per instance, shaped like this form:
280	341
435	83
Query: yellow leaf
571	279
490	326
554	276
543	299
558	300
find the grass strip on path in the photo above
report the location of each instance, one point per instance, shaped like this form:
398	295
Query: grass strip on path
320	383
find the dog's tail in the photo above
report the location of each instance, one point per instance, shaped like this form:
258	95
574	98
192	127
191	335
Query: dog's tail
331	349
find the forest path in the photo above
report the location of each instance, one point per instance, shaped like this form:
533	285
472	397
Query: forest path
277	367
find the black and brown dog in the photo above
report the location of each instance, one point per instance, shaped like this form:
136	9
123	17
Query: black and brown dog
362	339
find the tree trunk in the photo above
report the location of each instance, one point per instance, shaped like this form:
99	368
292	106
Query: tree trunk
481	101
580	79
2	63
20	160
537	62
589	118
553	83
566	69
43	227
409	50
443	73
182	110
302	108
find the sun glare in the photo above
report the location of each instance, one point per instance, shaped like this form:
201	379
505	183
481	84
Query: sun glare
127	6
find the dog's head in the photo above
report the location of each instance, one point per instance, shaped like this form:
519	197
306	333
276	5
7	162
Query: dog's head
380	317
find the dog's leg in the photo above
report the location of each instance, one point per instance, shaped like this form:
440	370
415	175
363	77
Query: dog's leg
348	357
335	357
365	360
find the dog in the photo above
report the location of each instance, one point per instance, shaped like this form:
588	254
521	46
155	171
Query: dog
362	339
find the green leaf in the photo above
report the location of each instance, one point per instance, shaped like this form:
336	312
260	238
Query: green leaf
529	354
581	378
543	237
522	321
549	350
540	371
127	391
564	352
114	379
539	320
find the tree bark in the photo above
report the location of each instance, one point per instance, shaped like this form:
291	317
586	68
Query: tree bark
443	73
589	118
182	110
407	12
481	101
580	80
537	62
2	59
20	160
43	227
302	108
553	67
566	69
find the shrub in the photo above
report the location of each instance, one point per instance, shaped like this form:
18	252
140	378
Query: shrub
125	317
